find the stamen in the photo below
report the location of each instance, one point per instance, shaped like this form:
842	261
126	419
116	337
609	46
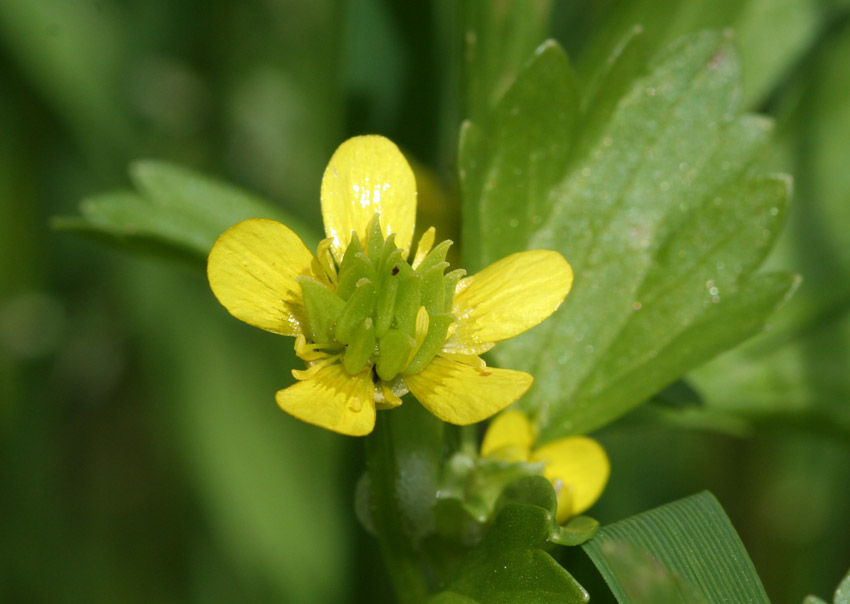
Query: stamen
308	352
424	246
390	398
422	321
313	369
326	260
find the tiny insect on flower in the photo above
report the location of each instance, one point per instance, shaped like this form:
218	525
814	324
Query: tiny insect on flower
371	325
577	466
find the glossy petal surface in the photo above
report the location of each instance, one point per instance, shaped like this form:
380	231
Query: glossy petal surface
508	297
332	399
580	465
510	432
461	394
368	175
252	269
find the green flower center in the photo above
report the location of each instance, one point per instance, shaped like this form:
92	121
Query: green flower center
376	310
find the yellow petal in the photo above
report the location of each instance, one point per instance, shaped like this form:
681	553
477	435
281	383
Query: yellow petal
507	298
461	394
334	400
510	429
579	466
368	174
252	269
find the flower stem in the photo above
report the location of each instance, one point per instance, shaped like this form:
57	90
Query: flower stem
403	456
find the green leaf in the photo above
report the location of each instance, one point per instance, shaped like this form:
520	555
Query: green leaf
509	163
176	212
797	373
686	551
644	580
498	38
770	35
652	201
508	565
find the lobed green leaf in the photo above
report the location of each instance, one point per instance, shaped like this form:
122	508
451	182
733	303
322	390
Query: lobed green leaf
509	565
796	375
174	212
648	192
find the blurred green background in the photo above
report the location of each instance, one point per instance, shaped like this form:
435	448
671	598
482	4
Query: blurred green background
143	457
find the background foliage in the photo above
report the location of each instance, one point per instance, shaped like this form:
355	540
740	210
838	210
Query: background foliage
143	458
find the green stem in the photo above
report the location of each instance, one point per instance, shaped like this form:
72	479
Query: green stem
403	457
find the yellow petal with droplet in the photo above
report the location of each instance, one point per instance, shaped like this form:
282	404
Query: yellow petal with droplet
578	464
461	394
333	399
509	429
507	298
368	175
252	269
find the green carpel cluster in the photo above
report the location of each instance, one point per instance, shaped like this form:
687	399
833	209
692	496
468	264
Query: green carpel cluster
381	313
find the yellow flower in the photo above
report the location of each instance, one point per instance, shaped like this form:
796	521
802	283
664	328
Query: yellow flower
369	325
577	466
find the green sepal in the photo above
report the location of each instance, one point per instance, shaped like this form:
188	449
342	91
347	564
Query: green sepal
374	238
528	490
360	349
322	306
537	490
578	530
385	309
434	257
360	305
407	303
433	289
390	254
393	351
450	282
354	266
405	270
438	325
